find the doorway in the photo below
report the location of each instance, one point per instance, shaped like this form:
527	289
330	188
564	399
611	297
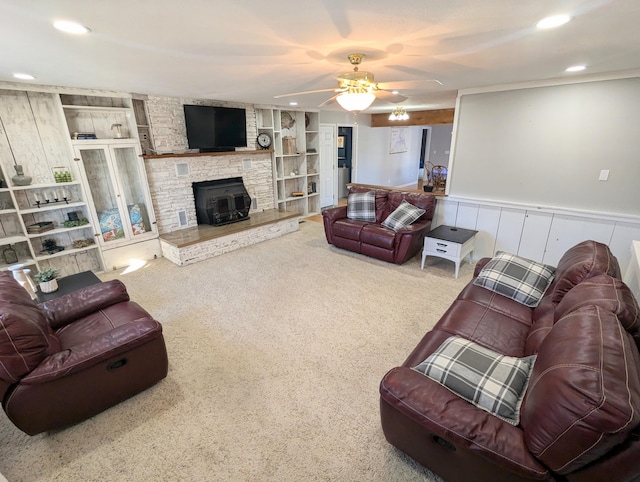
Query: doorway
425	148
345	159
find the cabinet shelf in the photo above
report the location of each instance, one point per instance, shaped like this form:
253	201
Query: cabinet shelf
53	207
24	262
66	252
59	231
47	185
95	108
7	211
12	240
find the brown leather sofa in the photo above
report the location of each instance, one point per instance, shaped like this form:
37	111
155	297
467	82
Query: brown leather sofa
580	414
373	239
72	357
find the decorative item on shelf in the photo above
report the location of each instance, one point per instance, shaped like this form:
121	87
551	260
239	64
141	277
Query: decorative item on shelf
297	194
311	150
75	223
264	140
3	183
118	130
399	113
289	145
40	227
22	276
51	246
9	255
83	243
83	136
61	174
20	179
47	280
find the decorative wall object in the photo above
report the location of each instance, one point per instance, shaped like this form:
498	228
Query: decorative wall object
398	140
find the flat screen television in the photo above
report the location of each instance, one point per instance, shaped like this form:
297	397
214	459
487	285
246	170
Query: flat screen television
212	129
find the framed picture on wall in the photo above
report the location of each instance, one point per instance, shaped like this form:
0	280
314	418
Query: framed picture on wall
340	142
398	140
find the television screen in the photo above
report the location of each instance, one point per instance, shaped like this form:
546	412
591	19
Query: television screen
215	128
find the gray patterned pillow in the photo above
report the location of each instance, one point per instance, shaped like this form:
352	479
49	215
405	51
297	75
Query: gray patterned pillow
361	206
520	279
404	215
493	382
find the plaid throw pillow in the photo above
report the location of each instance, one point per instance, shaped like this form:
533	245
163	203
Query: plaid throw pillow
361	206
520	279
403	216
491	381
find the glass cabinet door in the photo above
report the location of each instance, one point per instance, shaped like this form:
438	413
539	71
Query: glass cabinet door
105	201
117	184
132	189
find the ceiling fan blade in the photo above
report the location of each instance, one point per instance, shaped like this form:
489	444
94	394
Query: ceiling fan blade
406	84
303	93
329	101
390	96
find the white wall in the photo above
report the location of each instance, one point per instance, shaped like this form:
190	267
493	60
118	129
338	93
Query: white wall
547	145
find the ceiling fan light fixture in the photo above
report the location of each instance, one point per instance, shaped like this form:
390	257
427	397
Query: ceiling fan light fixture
553	21
355	101
399	113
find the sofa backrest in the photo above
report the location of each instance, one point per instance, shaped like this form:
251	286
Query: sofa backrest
583	397
387	201
581	262
25	336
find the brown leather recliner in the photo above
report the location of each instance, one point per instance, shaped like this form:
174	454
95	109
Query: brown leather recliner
373	239
70	358
580	419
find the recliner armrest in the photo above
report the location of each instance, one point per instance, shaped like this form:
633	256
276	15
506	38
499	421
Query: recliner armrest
65	309
457	422
479	265
333	214
120	340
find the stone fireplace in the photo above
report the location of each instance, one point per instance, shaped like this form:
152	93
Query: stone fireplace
221	201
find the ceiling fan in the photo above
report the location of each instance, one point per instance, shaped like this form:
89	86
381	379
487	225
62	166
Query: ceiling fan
357	89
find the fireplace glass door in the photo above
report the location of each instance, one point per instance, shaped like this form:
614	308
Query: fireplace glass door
119	194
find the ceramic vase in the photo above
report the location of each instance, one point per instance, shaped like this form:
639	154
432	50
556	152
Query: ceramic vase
20	179
49	286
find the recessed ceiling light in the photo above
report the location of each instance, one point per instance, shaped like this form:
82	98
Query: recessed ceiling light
576	68
293	103
553	21
23	76
395	92
70	27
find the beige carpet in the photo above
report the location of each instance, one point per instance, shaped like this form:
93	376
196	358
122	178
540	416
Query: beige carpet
275	356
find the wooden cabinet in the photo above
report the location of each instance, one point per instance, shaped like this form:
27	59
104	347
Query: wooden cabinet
104	137
296	169
47	225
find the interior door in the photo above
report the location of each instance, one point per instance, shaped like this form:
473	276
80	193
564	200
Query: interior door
328	165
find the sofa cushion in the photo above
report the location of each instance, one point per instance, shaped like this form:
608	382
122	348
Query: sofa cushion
402	216
25	337
348	229
584	394
520	279
491	381
362	206
582	261
376	235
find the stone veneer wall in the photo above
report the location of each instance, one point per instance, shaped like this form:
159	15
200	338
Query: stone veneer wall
170	192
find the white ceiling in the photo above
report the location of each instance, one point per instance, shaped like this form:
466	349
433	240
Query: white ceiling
248	51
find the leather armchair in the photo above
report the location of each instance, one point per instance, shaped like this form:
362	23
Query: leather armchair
70	358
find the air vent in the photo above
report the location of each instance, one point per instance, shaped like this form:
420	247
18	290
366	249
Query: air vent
254	203
182	218
182	169
246	164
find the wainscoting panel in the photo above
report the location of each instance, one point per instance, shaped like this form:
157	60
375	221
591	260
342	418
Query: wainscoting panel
535	232
541	234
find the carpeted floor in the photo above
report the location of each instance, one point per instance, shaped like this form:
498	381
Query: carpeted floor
275	356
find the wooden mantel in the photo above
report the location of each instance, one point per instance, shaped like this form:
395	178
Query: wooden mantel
196	154
416	118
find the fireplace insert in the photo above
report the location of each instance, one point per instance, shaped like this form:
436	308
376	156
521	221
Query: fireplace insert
222	201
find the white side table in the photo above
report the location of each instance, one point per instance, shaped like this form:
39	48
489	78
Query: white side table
450	243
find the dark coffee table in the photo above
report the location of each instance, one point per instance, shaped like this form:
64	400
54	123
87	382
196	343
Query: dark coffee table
69	284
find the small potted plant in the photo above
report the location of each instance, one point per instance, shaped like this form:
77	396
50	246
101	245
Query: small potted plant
47	280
